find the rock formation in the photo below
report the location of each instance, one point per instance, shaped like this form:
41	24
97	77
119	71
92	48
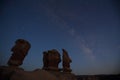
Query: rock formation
50	70
66	61
51	59
45	60
20	50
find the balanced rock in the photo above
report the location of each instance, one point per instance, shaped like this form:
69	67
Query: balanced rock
20	50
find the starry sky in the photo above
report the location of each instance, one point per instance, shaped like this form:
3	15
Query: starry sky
88	29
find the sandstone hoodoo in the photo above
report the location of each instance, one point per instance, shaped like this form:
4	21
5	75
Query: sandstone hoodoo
49	71
51	60
20	50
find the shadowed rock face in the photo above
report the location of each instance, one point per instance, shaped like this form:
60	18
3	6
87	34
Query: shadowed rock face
45	60
66	61
51	59
20	50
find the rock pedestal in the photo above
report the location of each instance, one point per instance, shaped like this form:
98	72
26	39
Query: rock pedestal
7	71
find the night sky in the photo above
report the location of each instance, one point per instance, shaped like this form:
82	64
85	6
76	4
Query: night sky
88	29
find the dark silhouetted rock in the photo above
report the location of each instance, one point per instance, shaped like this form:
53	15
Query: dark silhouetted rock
45	60
7	71
20	50
51	59
66	61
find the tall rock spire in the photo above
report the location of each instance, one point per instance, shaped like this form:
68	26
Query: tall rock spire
66	61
